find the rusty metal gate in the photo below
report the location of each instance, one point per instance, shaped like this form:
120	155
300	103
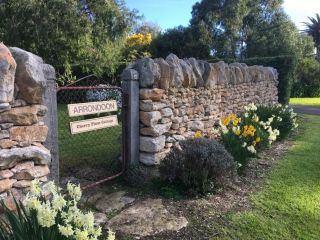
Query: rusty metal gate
95	153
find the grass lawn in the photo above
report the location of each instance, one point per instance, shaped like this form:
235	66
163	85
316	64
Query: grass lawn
305	101
289	205
98	148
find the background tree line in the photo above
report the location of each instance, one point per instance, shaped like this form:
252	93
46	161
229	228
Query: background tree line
79	37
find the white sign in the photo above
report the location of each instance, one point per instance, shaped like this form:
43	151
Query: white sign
93	124
81	109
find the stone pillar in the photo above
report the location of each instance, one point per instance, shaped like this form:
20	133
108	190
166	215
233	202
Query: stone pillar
51	120
130	138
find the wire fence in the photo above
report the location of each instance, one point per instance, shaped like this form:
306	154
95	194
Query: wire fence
100	149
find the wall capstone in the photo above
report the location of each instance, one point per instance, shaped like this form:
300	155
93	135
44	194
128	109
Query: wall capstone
181	96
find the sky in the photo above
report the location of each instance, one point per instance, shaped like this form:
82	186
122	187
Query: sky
171	13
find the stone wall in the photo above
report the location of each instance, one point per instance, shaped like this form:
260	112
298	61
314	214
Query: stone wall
179	97
23	157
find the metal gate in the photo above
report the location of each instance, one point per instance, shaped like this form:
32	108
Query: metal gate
95	153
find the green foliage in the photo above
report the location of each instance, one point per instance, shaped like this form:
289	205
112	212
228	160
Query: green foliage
308	79
182	41
313	30
283	118
90	34
199	165
243	137
287	207
24	225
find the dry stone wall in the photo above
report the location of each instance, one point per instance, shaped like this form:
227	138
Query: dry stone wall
23	157
181	96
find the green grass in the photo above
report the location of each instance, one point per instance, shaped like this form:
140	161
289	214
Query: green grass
305	101
289	205
98	148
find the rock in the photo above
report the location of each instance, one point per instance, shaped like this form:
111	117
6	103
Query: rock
189	77
210	76
6	126
170	140
116	201
222	70
4	107
22	184
149	72
6	184
198	72
30	77
146	218
151	159
149	106
196	125
22	166
154	94
10	157
179	137
99	218
176	73
5	174
4	134
152	144
32	173
150	118
156	130
166	112
165	78
7	72
7	143
22	116
18	103
29	133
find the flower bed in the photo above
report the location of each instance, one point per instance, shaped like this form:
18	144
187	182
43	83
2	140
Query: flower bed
52	217
243	136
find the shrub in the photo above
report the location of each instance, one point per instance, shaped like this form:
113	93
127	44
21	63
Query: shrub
243	136
199	165
308	79
280	117
57	218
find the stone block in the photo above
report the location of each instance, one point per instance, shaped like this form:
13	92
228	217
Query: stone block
150	118
7	74
29	78
154	94
32	173
152	144
29	134
10	157
156	130
149	106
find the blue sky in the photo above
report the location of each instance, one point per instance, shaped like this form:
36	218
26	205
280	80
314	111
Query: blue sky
171	13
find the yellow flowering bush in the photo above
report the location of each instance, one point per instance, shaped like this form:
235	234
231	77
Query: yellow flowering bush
137	46
55	217
139	39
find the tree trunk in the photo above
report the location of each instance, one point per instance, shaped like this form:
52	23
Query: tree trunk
318	52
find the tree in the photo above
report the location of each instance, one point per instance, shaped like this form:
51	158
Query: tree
182	41
231	22
88	33
313	29
148	27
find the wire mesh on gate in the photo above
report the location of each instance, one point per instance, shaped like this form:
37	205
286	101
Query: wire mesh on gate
98	149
